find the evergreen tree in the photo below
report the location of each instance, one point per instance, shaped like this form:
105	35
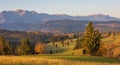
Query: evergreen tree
96	42
56	45
62	42
5	47
91	40
51	52
8	48
2	46
68	43
78	44
25	47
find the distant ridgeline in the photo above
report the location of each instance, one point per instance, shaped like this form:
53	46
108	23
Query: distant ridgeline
61	26
24	20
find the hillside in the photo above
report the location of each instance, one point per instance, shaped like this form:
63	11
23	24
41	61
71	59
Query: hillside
109	45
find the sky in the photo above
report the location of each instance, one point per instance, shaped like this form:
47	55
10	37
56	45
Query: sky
70	7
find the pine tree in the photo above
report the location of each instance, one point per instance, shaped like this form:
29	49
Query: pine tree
78	45
5	47
96	42
8	48
2	46
91	40
56	45
68	43
25	47
51	52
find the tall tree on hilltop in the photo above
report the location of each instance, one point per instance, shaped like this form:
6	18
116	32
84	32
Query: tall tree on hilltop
91	40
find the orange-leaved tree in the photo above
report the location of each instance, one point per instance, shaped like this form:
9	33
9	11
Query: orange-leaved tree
39	48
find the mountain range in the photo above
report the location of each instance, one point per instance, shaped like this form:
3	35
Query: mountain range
33	21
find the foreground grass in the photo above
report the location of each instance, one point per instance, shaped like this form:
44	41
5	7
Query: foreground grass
56	60
79	58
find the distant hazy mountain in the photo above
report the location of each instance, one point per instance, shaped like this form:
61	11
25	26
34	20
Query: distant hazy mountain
24	16
61	26
33	21
78	25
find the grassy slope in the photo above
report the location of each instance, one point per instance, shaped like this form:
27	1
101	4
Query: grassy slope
66	50
110	40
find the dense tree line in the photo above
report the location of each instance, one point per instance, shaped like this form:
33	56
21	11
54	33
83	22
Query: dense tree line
24	48
24	43
44	37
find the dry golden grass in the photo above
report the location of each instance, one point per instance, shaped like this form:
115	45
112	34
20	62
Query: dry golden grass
24	60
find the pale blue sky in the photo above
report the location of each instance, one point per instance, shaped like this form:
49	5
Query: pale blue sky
70	7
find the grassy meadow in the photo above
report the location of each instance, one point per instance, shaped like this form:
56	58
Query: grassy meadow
56	60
